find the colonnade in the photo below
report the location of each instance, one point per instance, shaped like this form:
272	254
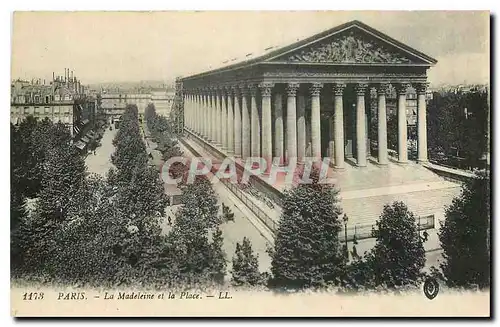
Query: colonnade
239	119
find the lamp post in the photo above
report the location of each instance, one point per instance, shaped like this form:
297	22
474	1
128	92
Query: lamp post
346	219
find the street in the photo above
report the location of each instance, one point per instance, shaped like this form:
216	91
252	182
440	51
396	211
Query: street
101	161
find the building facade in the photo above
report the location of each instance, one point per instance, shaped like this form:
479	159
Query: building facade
114	104
60	100
312	98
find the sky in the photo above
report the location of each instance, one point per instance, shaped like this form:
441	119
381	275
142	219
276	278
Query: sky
134	46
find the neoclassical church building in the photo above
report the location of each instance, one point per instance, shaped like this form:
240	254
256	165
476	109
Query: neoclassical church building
327	96
312	99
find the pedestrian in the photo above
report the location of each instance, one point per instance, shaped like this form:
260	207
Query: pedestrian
94	152
169	221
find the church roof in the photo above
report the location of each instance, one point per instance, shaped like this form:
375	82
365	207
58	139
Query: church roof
291	53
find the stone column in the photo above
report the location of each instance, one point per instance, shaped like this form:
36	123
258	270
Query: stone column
315	91
338	90
189	113
278	127
421	123
217	111
215	118
191	110
254	123
245	123
402	127
196	113
205	114
360	125
237	121
185	105
382	124
200	113
220	119
291	121
267	136
224	118
301	128
211	115
230	121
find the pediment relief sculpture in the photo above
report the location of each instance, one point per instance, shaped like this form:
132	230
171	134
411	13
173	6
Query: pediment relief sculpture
350	48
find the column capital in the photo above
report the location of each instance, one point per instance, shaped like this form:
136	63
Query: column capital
244	89
338	88
361	88
421	88
235	89
292	88
315	89
210	90
218	90
228	90
382	88
266	88
253	89
401	88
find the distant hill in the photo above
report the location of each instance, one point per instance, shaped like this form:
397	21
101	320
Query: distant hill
138	86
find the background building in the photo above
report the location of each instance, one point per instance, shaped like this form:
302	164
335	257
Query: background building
64	99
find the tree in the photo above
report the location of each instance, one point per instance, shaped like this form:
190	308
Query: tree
398	256
27	158
245	265
307	252
457	125
201	199
465	236
142	196
18	216
64	175
87	240
217	257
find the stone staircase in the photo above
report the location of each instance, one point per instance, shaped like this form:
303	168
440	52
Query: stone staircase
367	210
373	176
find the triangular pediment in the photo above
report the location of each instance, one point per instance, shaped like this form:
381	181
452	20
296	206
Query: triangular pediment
353	45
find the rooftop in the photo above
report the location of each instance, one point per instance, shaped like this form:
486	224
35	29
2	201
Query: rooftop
273	51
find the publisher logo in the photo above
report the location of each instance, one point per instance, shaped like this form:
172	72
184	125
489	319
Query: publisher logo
431	288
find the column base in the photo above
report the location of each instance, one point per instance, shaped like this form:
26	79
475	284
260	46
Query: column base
422	161
402	162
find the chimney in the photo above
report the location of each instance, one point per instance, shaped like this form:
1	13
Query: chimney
53	76
72	76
